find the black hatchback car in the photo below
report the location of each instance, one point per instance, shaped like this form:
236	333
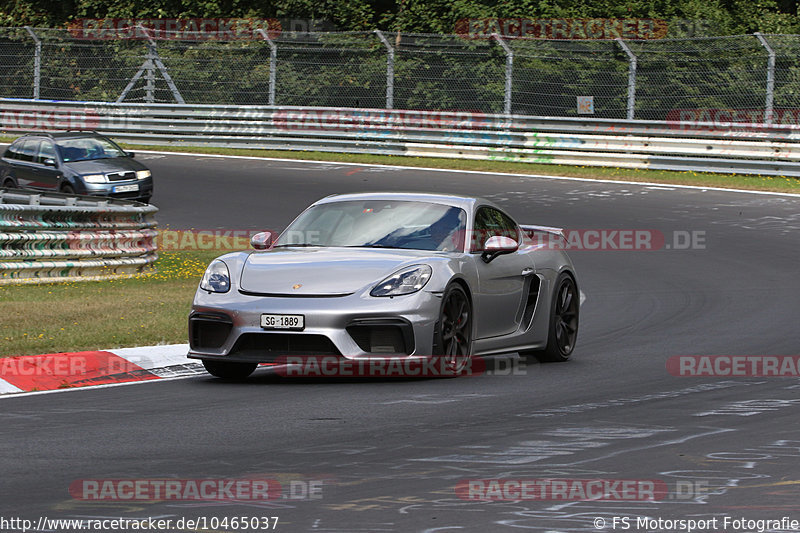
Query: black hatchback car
75	162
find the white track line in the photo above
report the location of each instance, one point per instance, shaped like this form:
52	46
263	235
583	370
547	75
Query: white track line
104	386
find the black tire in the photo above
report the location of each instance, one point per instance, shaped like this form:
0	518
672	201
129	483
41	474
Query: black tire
67	189
452	339
225	370
9	183
146	199
563	330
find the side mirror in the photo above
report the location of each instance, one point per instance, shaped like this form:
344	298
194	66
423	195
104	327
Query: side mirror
49	162
130	154
498	245
262	240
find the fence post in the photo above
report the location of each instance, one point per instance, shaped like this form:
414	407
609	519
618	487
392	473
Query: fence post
273	64
509	73
770	101
37	62
150	75
631	77
389	69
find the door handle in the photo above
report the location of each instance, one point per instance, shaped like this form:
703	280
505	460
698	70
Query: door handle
527	271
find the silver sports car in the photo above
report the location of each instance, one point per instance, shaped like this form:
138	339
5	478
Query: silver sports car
388	275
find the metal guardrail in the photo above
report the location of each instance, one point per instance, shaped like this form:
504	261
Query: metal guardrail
55	237
742	148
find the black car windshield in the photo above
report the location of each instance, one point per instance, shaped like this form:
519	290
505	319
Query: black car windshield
88	148
379	224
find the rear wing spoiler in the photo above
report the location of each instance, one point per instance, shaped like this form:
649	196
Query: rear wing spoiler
531	230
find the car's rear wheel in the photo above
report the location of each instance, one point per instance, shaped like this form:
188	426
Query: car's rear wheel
563	331
452	341
225	370
9	183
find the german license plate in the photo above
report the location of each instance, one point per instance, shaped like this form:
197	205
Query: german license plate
293	322
127	188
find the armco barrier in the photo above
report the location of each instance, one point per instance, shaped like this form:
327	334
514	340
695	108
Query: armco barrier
46	237
743	148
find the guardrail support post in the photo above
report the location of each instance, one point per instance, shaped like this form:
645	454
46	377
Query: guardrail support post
770	100
37	61
631	77
273	64
509	73
389	69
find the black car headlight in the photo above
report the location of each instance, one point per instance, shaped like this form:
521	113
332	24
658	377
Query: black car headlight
216	278
406	281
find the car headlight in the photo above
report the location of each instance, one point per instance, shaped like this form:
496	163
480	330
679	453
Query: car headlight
405	281
95	178
216	278
142	174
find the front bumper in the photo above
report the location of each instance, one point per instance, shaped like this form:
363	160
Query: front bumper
121	189
227	327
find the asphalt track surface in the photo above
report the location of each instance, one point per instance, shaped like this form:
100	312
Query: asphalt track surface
391	453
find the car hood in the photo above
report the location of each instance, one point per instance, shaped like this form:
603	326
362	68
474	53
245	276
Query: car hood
103	166
321	271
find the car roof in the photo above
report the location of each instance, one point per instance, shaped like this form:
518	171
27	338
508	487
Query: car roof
464	202
63	134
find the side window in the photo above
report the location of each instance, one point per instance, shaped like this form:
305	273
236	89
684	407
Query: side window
490	222
13	151
28	150
46	151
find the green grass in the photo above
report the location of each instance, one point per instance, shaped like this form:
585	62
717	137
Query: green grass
92	315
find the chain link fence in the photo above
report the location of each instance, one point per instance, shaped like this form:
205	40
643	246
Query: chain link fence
744	78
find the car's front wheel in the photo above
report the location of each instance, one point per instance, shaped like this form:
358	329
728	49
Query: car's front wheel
452	341
225	370
67	189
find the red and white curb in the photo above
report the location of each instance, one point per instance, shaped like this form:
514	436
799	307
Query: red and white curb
27	373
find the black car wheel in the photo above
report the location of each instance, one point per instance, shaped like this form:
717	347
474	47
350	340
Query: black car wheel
225	370
9	183
67	189
563	331
453	338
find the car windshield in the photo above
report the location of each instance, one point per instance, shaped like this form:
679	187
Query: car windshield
88	148
379	224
